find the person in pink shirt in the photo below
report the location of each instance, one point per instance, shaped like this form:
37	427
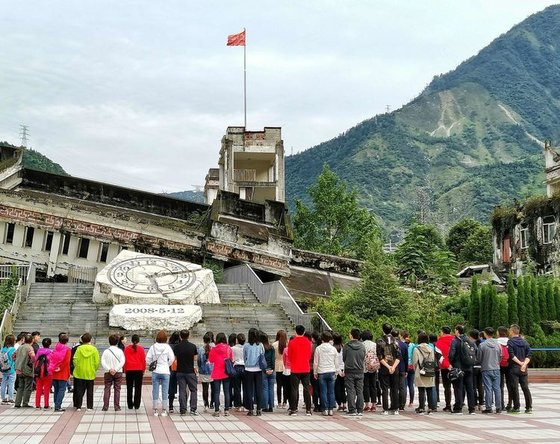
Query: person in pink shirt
218	356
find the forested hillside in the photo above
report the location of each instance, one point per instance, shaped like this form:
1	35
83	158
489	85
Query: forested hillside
469	141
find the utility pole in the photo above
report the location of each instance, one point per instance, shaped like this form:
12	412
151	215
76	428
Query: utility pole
387	109
24	133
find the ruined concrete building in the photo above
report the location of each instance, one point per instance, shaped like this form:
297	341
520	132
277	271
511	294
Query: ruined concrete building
62	222
524	234
251	164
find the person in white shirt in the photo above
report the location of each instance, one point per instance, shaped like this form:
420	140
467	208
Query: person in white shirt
325	367
161	356
112	362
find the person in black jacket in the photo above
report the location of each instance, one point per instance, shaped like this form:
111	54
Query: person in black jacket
459	358
519	358
389	355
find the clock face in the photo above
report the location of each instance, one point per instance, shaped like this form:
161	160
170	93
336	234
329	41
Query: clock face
151	275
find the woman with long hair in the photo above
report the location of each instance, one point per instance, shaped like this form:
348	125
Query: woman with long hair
205	367
174	339
161	356
252	351
282	381
268	375
134	366
218	356
339	388
8	376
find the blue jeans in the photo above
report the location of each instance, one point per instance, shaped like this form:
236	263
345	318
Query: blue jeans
160	379
491	380
268	390
59	390
8	381
216	383
326	384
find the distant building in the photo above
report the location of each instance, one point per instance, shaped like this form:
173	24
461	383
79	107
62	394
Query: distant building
251	164
524	235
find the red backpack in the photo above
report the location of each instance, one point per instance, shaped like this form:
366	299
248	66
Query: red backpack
505	356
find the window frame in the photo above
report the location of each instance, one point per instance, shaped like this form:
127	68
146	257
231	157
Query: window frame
81	242
10	226
524	237
547	239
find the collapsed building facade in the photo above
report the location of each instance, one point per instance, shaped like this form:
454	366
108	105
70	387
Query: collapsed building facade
525	234
64	223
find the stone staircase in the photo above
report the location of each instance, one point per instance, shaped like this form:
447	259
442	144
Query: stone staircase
55	307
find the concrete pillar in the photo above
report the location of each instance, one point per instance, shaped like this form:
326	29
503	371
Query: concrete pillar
56	247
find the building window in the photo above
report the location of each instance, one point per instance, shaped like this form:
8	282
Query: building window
524	237
66	244
549	230
29	232
83	248
48	240
10	229
103	251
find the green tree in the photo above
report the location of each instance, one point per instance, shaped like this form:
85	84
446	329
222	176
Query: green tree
522	301
502	311
557	301
8	292
495	314
470	242
335	223
378	293
532	304
459	234
542	299
483	314
474	304
422	257
512	317
550	302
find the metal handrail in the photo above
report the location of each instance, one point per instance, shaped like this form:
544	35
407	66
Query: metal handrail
274	292
81	275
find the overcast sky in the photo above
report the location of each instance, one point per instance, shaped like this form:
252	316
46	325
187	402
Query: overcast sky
139	93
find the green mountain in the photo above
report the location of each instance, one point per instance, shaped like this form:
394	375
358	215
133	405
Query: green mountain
469	141
37	161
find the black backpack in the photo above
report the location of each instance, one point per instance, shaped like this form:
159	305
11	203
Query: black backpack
467	353
390	350
41	362
427	365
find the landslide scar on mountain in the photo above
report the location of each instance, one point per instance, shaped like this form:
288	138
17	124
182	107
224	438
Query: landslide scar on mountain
451	114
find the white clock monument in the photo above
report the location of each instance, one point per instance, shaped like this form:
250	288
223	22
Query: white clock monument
151	292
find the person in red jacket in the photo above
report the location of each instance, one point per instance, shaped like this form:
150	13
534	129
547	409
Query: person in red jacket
59	368
134	367
444	344
299	354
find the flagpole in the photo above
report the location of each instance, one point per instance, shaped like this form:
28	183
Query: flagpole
245	79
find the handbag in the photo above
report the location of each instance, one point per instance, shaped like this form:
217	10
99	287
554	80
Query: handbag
230	369
455	373
153	364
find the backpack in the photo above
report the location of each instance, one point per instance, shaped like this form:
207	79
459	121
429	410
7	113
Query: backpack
372	361
41	362
427	365
389	351
468	353
505	356
5	365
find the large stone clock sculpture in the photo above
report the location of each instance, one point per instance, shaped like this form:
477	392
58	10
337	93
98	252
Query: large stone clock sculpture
151	275
136	278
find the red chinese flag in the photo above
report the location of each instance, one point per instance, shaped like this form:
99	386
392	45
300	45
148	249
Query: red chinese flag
236	39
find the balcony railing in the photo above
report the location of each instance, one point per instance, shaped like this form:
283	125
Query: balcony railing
245	175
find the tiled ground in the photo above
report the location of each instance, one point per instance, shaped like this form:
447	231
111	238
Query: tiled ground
21	426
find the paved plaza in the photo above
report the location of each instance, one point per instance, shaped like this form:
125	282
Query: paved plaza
21	426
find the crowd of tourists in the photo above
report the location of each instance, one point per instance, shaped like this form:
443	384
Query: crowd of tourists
257	375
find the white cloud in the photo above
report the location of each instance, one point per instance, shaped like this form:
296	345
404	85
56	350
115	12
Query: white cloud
140	93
